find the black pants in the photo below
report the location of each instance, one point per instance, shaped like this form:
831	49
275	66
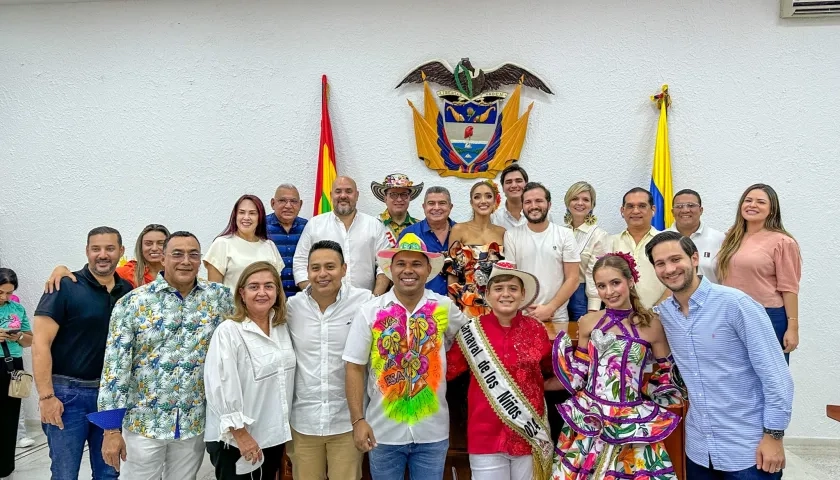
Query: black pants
224	458
9	413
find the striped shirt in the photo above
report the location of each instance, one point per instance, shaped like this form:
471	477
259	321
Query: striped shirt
286	242
735	373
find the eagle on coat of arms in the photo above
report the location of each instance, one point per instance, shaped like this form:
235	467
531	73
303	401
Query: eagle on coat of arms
474	136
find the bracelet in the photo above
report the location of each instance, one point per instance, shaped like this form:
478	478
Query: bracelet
357	421
47	397
113	430
792	318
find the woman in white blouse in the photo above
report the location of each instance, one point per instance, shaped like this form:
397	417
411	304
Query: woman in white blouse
249	378
592	243
243	242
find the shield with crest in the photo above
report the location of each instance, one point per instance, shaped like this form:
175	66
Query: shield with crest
474	132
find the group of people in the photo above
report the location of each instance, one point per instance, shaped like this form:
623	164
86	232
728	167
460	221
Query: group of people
334	337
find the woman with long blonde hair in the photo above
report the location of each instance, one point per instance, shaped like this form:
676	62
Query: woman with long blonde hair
249	378
591	243
760	258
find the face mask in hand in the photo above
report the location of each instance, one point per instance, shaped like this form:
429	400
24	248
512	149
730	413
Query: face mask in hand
244	466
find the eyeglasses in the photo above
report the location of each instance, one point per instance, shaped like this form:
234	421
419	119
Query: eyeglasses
194	256
686	206
634	206
398	195
285	201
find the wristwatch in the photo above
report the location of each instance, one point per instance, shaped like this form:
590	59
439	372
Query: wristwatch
20	337
776	434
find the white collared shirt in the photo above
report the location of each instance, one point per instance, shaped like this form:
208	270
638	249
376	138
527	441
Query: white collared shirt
360	243
319	406
543	255
650	289
249	378
503	218
708	242
406	359
590	247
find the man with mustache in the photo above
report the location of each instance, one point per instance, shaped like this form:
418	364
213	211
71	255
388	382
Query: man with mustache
546	250
284	227
397	191
152	384
434	230
687	210
71	326
637	209
360	236
399	340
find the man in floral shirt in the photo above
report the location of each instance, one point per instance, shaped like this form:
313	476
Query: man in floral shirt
152	383
397	191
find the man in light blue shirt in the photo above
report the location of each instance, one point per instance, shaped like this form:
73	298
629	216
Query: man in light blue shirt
739	386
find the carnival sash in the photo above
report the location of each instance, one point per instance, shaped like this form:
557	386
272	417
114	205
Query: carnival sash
510	405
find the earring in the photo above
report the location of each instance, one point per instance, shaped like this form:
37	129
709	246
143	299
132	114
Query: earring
590	219
567	218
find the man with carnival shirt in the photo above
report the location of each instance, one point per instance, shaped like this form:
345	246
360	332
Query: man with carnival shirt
400	341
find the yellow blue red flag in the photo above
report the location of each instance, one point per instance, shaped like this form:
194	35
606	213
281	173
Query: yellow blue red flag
326	157
660	179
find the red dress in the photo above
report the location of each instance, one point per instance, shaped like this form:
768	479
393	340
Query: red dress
525	351
126	272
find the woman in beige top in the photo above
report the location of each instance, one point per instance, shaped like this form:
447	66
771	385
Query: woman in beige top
760	258
474	247
591	244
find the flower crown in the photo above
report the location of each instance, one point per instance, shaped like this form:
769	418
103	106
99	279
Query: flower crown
631	262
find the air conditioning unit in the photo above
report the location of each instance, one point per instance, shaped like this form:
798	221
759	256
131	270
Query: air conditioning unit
810	8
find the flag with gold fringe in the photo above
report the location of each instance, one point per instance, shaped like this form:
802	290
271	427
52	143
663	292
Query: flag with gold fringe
660	179
326	157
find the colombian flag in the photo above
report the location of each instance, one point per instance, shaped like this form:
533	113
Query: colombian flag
660	179
326	157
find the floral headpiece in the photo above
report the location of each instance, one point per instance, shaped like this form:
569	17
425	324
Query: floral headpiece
495	187
631	262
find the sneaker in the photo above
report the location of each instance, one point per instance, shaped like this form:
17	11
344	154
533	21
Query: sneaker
25	442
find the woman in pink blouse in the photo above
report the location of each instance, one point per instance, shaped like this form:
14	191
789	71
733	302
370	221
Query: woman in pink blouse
760	258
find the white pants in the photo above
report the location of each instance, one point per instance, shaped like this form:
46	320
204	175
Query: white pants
150	459
501	467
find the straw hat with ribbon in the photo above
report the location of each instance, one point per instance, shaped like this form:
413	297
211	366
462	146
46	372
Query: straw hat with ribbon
531	285
395	180
409	243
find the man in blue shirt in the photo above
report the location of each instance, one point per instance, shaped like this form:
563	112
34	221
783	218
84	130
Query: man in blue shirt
284	227
68	351
434	230
740	388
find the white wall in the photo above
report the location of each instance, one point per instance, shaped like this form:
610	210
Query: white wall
126	113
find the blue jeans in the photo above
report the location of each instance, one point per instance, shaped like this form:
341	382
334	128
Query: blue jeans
67	446
697	472
778	317
425	461
578	303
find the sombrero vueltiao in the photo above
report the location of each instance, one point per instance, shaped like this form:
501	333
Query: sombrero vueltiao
530	283
395	180
409	243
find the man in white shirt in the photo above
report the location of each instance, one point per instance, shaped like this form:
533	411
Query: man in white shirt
546	250
400	341
513	180
688	207
360	236
319	319
637	209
